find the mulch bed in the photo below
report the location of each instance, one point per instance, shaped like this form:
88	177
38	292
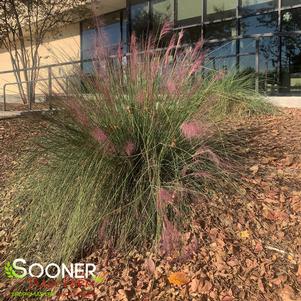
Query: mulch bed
242	246
24	107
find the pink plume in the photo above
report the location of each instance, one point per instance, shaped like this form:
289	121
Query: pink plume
171	238
129	148
171	87
78	112
99	135
166	28
192	129
211	155
219	75
164	198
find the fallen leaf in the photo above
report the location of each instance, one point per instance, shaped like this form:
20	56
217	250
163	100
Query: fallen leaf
150	265
288	294
178	278
254	169
244	234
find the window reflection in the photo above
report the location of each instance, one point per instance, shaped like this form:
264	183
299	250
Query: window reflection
219	9
247	45
291	20
259	24
111	26
140	19
224	63
268	64
189	11
255	6
221	49
290	2
291	64
163	9
192	35
220	30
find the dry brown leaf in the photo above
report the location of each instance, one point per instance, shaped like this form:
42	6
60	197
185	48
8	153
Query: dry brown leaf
279	280
206	288
260	285
194	285
150	265
254	169
288	294
178	278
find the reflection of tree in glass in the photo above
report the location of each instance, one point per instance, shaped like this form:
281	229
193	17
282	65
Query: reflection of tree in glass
269	57
259	24
291	57
144	24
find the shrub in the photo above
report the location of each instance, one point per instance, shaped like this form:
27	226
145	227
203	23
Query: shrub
123	162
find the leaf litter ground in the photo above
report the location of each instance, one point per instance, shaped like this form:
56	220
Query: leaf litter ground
243	246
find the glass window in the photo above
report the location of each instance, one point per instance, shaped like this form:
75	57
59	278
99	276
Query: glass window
247	66
221	49
290	2
265	23
189	10
225	63
291	20
192	35
140	19
111	27
219	9
254	6
220	30
268	64
247	45
163	9
291	64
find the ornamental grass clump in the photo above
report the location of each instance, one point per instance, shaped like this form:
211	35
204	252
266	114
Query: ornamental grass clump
125	155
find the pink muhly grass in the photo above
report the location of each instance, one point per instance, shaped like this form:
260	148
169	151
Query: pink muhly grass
197	64
141	97
165	198
101	137
78	113
171	87
192	129
134	57
170	238
219	75
169	49
129	148
119	54
201	174
166	29
210	154
197	48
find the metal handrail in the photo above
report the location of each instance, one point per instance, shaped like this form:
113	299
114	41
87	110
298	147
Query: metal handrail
49	79
47	66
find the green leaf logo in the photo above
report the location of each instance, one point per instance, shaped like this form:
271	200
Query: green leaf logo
98	279
10	272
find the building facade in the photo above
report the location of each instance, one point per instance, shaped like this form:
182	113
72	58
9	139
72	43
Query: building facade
260	37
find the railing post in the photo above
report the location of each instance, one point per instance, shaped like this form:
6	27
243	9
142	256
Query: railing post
29	84
4	97
49	86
